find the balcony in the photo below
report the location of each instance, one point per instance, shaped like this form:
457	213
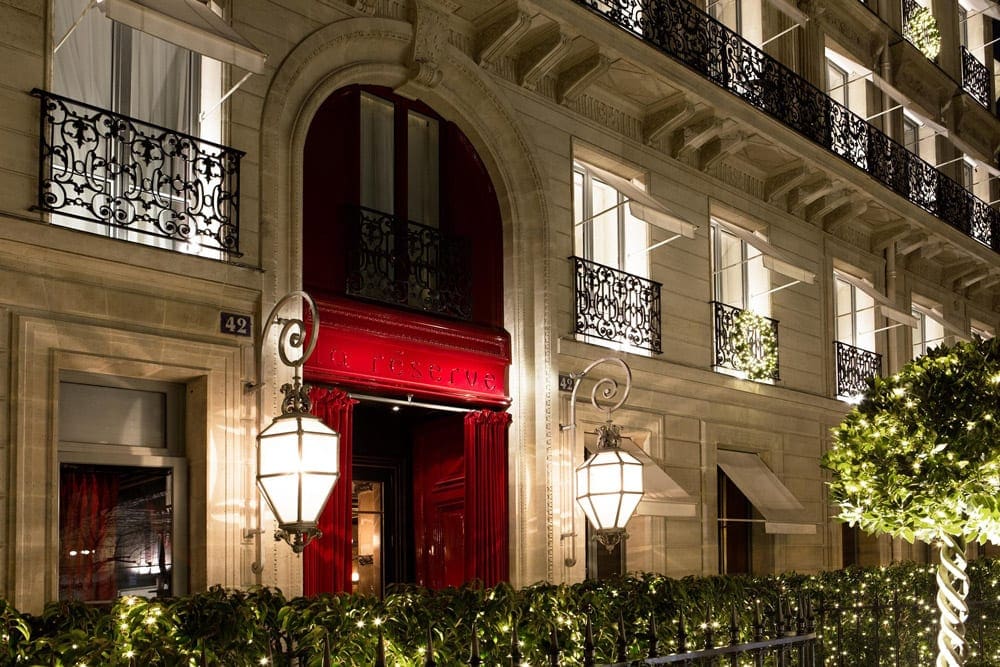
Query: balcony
690	36
975	78
101	170
745	342
403	263
855	366
617	307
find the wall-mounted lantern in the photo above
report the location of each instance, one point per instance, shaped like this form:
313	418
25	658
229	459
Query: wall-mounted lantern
609	483
298	456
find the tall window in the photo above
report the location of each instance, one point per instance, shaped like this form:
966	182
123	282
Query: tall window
855	314
727	12
740	278
122	489
911	134
114	67
929	331
837	83
606	232
963	26
967	173
399	172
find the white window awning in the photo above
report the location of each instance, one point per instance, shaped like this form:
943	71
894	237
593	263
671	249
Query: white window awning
782	511
644	206
886	307
189	24
774	259
662	496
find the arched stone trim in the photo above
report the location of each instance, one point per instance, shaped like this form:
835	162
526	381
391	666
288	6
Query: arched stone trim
378	51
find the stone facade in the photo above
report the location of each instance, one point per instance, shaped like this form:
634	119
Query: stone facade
531	85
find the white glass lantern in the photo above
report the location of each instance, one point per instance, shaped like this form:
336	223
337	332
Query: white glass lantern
298	463
298	456
609	487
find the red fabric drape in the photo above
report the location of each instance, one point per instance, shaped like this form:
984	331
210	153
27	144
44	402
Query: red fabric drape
87	535
486	529
326	566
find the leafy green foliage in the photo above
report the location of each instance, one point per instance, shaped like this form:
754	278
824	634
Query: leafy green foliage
260	627
921	30
919	457
755	345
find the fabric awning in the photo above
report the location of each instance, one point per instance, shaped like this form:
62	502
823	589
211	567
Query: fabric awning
662	495
886	307
774	259
782	511
189	24
643	206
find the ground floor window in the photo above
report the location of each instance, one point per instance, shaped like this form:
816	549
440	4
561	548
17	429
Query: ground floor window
121	478
116	532
735	529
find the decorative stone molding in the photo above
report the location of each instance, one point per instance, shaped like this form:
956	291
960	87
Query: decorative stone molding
430	19
575	80
538	61
499	37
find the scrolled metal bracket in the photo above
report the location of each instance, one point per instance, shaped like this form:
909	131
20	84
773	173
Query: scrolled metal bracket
293	336
607	387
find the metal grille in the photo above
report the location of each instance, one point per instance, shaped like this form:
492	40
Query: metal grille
616	306
405	263
113	170
975	78
689	35
855	366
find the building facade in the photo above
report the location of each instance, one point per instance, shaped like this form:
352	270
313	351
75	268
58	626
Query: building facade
756	204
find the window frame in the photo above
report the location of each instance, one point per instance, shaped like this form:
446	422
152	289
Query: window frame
748	283
925	313
171	457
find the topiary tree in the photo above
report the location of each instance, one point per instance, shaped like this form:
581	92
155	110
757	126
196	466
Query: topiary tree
919	458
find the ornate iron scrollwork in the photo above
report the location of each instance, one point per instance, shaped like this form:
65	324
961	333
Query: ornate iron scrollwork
855	366
616	306
975	78
113	170
689	35
404	263
741	345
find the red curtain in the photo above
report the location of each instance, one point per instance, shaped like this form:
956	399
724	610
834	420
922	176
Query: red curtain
326	566
486	529
87	534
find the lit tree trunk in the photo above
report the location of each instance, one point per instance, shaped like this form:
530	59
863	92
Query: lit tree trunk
953	589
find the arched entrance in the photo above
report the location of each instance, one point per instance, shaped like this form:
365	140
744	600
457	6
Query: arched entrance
402	250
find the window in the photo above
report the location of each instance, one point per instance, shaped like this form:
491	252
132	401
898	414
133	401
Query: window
727	12
116	68
616	305
837	83
929	330
606	232
368	536
112	66
963	26
855	313
740	278
911	134
967	173
122	488
399	172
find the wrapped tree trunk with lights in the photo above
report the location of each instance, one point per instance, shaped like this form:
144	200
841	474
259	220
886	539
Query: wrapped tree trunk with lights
919	459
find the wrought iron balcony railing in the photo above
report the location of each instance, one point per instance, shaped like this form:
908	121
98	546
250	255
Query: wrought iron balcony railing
689	35
855	366
403	263
616	306
746	342
102	167
975	78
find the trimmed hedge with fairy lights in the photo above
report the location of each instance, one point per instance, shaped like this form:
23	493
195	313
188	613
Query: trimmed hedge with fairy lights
870	616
